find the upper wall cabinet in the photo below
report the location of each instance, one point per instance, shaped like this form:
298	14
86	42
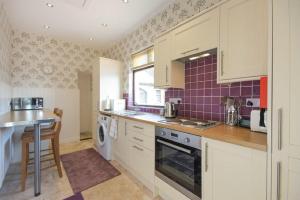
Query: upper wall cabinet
198	35
167	74
243	40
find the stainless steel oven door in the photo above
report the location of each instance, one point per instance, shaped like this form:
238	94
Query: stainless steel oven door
179	166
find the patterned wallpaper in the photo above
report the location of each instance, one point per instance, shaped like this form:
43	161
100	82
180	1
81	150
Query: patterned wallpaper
5	47
145	34
40	61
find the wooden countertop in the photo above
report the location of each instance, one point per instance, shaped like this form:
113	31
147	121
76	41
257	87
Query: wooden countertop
26	118
234	135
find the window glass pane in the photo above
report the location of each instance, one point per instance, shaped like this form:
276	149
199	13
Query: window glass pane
144	91
140	59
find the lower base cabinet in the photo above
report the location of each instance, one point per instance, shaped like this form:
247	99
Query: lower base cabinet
232	172
134	150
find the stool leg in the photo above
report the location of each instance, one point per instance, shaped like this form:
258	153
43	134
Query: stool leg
55	148
24	165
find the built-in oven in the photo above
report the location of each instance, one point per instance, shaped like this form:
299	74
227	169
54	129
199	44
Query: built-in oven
178	161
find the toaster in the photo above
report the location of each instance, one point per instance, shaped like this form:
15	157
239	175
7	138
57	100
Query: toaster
258	121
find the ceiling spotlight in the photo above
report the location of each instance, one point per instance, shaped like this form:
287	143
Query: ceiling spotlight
104	25
125	1
91	38
50	5
46	27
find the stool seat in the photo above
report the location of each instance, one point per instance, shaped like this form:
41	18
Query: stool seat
43	127
45	134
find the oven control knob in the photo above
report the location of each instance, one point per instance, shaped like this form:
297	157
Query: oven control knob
163	133
187	140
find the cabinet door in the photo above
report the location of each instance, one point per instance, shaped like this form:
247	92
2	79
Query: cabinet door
231	172
198	35
121	144
243	40
162	61
286	98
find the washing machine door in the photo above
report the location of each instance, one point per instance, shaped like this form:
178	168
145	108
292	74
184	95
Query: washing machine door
102	134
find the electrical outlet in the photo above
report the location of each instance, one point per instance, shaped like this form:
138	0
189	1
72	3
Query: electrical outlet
175	100
253	102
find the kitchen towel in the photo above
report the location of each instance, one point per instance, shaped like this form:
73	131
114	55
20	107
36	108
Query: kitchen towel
113	130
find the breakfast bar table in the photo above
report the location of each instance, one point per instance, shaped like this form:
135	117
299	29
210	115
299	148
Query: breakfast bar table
31	118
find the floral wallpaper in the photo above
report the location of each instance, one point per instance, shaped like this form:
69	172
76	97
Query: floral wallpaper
41	61
145	34
5	47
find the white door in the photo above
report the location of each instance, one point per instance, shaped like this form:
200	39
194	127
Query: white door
243	40
286	98
162	61
232	172
198	35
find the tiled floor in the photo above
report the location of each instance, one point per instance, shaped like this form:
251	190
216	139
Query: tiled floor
123	187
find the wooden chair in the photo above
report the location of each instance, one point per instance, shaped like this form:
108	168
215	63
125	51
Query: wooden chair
47	134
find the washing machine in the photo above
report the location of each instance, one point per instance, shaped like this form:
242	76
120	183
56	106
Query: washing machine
103	140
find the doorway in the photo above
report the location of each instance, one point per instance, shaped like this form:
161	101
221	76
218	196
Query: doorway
85	88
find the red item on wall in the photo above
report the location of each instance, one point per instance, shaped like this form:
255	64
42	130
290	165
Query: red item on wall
263	92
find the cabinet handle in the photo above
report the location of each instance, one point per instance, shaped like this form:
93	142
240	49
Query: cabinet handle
141	128
167	71
222	64
196	49
279	128
278	181
138	139
206	157
138	148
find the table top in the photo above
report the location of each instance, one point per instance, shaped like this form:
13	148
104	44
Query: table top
27	118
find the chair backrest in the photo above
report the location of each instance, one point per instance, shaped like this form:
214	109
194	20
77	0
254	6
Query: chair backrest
57	126
55	110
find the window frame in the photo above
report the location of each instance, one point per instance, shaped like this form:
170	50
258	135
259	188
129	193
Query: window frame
133	88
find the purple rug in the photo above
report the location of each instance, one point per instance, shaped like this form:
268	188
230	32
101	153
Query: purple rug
77	196
86	169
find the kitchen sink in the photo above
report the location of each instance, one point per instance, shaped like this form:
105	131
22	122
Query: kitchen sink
131	113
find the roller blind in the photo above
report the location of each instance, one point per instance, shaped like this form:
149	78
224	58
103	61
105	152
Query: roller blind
143	58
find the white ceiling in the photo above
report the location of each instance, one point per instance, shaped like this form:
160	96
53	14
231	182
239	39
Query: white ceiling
79	20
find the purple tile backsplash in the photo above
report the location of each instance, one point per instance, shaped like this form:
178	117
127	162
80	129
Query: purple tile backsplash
201	98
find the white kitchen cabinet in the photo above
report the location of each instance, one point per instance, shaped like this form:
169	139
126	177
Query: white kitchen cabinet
232	172
134	150
285	102
121	144
167	73
5	151
243	40
198	35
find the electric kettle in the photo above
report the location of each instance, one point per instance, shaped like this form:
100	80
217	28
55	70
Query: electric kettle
170	110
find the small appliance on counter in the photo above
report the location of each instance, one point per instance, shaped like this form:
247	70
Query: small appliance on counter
27	103
258	118
118	104
107	104
170	110
256	123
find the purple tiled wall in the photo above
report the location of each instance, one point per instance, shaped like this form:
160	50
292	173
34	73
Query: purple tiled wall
201	98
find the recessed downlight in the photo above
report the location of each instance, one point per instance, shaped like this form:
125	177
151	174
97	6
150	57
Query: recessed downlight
46	26
104	24
50	5
125	1
91	38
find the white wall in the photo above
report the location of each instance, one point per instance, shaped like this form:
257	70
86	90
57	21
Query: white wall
85	87
66	99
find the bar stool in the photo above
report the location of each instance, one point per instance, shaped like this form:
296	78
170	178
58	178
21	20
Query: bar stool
46	134
43	127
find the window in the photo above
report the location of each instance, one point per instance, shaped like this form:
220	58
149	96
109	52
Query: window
144	92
